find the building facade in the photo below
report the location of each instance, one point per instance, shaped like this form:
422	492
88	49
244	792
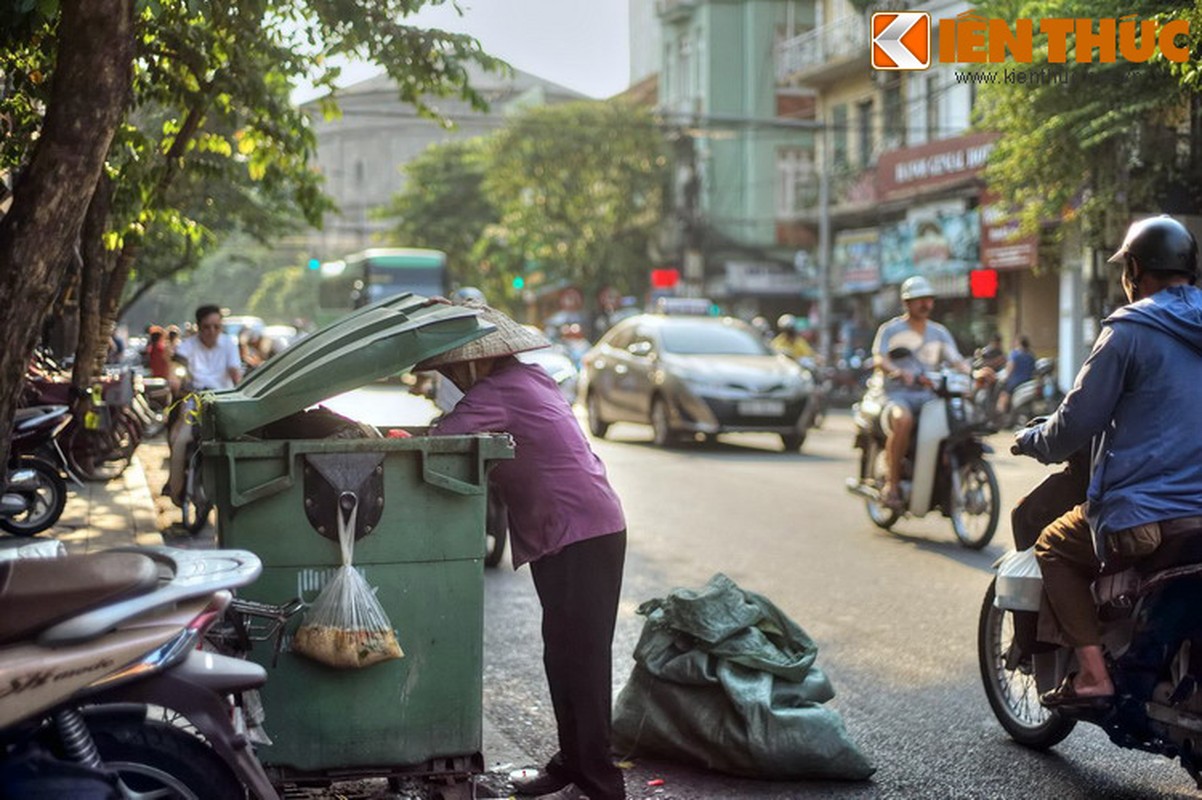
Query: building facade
906	193
734	129
362	152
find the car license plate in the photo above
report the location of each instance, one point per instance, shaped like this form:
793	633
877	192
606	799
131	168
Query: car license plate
762	408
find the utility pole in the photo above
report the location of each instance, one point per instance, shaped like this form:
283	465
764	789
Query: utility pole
825	289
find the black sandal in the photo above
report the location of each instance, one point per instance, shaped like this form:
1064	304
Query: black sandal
1065	697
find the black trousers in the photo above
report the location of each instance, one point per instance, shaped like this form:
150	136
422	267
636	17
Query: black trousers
578	588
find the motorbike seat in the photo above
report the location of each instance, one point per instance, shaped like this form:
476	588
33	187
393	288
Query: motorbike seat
1177	548
37	593
33	416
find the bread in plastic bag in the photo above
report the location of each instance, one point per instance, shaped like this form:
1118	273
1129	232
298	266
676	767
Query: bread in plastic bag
345	627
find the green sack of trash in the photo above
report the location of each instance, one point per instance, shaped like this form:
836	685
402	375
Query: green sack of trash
723	680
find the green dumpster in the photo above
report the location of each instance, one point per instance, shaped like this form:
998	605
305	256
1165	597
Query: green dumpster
420	544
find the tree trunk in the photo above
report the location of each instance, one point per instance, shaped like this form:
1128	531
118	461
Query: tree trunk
96	263
90	89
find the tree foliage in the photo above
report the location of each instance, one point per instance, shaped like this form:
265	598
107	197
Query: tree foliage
191	95
561	194
443	206
579	189
1093	142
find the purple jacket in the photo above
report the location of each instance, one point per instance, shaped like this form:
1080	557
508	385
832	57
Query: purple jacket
555	486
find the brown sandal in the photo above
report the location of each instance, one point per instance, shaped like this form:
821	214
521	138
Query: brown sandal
1065	697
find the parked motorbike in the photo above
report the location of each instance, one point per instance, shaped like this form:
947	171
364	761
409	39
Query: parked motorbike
945	467
1153	639
99	443
849	379
39	431
33	498
1037	397
105	693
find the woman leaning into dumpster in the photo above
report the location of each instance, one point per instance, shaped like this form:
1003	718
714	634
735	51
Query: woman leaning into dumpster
567	522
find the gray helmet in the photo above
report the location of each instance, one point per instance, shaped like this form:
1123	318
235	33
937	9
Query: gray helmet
915	287
468	294
1160	244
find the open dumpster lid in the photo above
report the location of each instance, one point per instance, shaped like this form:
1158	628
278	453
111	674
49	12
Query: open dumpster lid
376	341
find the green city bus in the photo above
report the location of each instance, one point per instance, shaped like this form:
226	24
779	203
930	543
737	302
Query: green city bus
374	274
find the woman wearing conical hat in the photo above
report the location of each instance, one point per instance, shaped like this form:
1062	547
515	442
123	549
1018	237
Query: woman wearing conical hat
565	521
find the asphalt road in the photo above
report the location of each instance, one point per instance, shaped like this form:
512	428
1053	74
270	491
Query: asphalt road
894	615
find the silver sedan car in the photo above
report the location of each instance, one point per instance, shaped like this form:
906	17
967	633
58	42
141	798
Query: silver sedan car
685	375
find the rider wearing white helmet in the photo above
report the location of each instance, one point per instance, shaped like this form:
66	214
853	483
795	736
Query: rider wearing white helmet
904	348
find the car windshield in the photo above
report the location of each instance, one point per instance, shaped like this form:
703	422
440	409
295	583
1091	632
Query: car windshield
710	338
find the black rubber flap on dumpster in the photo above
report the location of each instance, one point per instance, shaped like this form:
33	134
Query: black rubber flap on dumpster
329	475
385	338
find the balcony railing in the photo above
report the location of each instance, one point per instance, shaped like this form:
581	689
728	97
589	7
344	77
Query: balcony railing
839	40
670	9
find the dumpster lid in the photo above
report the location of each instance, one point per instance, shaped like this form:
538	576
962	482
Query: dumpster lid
382	339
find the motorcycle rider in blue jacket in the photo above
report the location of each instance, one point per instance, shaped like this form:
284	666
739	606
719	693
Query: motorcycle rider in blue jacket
1136	398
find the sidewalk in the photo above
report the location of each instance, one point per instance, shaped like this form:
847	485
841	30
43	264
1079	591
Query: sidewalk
103	515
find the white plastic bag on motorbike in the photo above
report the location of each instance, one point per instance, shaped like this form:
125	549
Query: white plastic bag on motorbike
1019	581
346	627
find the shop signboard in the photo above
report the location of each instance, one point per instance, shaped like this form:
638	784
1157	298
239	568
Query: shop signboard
762	278
911	171
856	258
934	241
1002	247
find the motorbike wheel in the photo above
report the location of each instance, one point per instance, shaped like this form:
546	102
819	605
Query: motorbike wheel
46	500
881	515
596	426
195	507
496	530
975	503
155	759
100	455
1010	682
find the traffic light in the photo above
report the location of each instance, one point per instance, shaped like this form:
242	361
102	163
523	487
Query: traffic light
314	264
519	282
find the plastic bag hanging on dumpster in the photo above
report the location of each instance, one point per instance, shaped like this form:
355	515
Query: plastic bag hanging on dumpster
724	680
345	626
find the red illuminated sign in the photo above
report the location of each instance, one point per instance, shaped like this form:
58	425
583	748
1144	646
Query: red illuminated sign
982	283
664	278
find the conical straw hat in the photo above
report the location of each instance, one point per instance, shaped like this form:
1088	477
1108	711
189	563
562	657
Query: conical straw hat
507	338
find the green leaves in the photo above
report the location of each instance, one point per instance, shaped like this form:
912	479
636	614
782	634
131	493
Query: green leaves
576	188
1102	141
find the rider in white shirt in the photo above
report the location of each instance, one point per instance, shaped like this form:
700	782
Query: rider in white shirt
213	363
213	359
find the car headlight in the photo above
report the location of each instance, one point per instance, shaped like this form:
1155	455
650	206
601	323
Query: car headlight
800	382
700	381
